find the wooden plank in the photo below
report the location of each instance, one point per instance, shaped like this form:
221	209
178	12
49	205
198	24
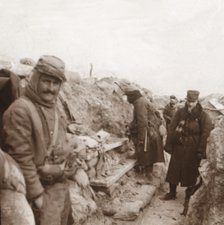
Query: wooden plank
111	146
117	173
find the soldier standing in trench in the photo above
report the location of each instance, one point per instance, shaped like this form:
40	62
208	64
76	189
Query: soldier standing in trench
170	110
144	130
31	128
186	142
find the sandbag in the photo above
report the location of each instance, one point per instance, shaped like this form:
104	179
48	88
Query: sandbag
15	209
14	206
129	210
82	204
11	177
27	61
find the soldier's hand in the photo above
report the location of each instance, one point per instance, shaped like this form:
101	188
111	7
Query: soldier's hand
52	170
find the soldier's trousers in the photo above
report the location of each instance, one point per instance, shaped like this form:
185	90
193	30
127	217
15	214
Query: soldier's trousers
56	207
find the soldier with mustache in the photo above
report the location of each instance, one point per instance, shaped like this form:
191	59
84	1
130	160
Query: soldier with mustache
186	142
33	132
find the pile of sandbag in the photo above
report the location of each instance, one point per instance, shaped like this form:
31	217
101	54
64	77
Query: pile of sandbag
14	206
90	160
94	152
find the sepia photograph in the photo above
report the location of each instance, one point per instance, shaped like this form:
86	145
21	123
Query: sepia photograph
112	112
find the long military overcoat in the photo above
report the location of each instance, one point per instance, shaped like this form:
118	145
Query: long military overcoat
187	141
145	133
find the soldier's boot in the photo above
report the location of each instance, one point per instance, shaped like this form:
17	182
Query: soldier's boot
188	193
171	195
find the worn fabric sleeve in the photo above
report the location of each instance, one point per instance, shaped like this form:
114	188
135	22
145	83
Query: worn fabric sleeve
18	142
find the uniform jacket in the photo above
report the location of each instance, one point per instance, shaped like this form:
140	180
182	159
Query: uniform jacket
168	113
22	142
186	141
145	132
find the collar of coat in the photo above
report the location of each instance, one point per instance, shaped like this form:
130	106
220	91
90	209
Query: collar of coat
195	113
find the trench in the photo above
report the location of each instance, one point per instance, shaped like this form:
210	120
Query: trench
160	212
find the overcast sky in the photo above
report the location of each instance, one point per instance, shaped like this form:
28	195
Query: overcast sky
167	46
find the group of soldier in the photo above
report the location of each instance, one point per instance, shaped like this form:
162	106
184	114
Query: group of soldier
188	128
34	134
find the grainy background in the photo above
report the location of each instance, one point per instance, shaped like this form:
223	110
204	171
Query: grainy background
167	46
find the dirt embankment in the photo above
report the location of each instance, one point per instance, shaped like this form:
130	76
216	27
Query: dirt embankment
100	104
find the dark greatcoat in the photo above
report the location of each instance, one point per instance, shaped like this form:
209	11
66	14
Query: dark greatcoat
187	140
168	113
148	146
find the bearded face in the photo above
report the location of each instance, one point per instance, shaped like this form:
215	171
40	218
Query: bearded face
48	88
191	105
